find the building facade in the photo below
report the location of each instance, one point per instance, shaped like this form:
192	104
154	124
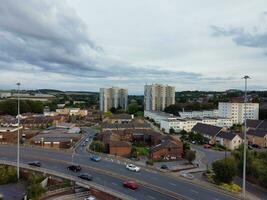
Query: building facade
157	97
236	111
113	97
199	114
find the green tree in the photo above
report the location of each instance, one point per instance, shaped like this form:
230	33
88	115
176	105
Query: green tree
190	156
97	146
186	147
173	109
224	170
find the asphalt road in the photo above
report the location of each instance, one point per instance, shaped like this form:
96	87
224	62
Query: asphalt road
56	160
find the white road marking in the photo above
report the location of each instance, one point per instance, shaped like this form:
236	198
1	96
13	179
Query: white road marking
114	183
194	191
150	197
173	184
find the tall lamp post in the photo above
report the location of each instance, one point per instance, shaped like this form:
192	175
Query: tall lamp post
245	139
18	84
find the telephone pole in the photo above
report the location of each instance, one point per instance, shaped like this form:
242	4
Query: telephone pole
18	84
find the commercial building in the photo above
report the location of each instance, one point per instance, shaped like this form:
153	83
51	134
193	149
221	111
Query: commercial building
236	111
157	97
180	124
158	116
199	114
4	95
113	97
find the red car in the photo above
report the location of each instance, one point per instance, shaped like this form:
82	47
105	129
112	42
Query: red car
207	146
130	184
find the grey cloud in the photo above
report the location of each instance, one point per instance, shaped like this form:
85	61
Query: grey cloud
242	37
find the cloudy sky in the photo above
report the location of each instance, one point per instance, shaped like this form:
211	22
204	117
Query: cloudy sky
87	44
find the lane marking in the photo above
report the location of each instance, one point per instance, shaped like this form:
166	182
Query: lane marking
173	184
194	191
150	197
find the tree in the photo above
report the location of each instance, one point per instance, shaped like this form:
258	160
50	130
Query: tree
108	114
172	131
224	170
173	109
190	156
186	147
133	108
97	146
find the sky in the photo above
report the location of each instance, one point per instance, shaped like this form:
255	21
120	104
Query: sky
88	44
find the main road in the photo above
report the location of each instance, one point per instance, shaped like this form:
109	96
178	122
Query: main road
154	185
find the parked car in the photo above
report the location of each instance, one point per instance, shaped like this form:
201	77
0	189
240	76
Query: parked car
133	168
95	158
256	146
87	140
86	176
207	146
83	144
90	198
74	168
250	147
130	184
35	163
164	167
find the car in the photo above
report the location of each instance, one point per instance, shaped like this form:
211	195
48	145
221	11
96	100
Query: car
87	140
35	163
74	168
90	198
86	176
250	147
83	144
207	146
95	158
164	167
130	184
193	142
256	146
133	168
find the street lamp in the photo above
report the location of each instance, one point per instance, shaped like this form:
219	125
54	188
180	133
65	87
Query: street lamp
18	84
245	139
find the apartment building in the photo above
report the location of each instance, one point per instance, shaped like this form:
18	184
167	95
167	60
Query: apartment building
113	97
157	97
199	114
236	111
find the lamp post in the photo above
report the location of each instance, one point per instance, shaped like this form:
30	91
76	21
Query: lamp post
245	139
18	141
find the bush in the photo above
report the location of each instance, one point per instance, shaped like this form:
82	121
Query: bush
97	146
190	156
35	191
224	170
8	174
150	162
230	187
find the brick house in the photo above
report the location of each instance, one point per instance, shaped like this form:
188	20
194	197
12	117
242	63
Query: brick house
120	148
169	149
258	137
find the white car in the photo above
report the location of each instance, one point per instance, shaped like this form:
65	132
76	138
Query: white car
90	198
133	168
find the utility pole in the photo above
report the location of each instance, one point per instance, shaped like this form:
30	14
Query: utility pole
18	141
245	139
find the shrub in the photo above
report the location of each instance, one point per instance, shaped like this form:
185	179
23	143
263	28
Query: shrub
231	187
150	162
224	170
8	174
190	156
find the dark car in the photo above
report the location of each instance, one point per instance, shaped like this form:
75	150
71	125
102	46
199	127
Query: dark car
256	146
74	168
164	167
130	184
35	163
86	176
95	158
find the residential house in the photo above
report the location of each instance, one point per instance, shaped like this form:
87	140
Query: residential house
258	136
229	140
207	131
169	149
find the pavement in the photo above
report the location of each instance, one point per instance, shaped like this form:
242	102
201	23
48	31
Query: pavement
111	173
13	191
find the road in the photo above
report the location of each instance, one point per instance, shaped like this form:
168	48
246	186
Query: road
112	174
